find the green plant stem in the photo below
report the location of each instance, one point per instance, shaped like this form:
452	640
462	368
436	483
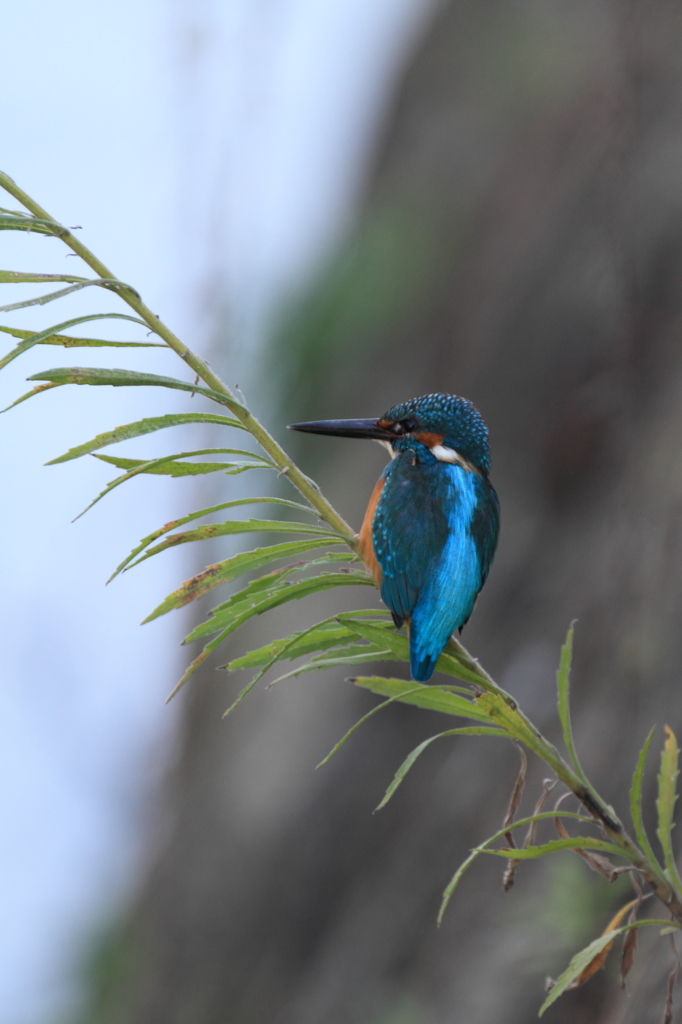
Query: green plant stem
284	463
501	706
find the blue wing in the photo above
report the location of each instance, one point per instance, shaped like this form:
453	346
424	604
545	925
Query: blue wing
434	535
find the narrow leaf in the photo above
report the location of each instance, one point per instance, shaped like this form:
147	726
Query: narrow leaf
574	843
582	960
352	656
279	595
563	688
16	277
531	820
34	225
69	341
432	698
146	426
469	730
233	527
42	337
320	641
41	300
665	805
127	378
636	802
229	569
167	527
398	696
170	465
30	394
259	675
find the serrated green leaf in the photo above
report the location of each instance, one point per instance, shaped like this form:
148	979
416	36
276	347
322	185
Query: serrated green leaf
665	805
41	338
93	376
636	802
563	690
583	959
469	730
223	572
170	466
167	527
41	300
431	698
466	864
574	843
145	426
232	527
281	594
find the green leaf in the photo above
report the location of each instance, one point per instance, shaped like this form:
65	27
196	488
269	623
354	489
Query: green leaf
222	616
469	730
465	865
40	300
432	698
636	802
574	843
68	341
583	959
42	338
229	569
16	277
236	526
259	675
320	641
146	426
356	654
35	225
397	643
405	692
167	527
127	378
563	689
170	466
665	805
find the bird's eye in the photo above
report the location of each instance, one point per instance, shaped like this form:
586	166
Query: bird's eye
409	424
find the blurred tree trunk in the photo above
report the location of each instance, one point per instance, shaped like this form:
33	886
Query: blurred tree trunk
521	244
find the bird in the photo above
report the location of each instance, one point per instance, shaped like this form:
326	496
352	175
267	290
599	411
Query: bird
432	523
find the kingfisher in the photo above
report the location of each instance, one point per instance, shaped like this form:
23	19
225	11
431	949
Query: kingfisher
431	527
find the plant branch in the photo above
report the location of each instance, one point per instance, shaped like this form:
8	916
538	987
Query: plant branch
284	463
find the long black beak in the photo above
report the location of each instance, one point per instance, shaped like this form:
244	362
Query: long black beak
346	428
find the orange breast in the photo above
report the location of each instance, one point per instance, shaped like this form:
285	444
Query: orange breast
366	543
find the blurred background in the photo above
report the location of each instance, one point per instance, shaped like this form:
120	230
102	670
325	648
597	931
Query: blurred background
342	206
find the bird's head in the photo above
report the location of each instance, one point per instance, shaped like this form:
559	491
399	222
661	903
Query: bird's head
449	426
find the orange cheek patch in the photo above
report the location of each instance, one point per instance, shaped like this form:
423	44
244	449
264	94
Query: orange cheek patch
430	440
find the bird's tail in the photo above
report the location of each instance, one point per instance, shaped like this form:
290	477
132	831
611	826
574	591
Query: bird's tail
422	663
